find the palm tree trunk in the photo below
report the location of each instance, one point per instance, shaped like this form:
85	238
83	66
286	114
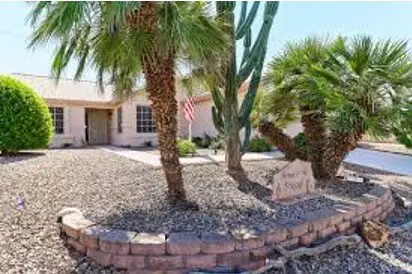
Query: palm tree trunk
338	147
159	69
276	137
160	83
314	129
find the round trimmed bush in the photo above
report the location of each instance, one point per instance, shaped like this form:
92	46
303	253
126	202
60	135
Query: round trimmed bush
25	121
186	147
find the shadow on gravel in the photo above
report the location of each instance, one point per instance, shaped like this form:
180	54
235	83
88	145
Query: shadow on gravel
359	259
18	157
248	186
186	219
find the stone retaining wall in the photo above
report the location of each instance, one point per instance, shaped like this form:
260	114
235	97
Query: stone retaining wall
238	250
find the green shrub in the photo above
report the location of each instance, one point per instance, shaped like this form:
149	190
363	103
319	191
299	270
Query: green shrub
25	121
301	145
259	144
203	142
206	141
217	143
186	147
198	141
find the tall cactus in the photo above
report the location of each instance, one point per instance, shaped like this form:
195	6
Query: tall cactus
229	119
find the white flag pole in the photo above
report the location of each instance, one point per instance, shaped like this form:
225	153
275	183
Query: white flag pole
190	131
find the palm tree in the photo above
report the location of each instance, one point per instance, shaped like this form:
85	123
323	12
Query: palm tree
340	90
121	40
372	80
295	94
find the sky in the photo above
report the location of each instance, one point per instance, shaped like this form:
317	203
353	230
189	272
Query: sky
293	22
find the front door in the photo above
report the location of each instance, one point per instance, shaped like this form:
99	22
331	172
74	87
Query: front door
97	126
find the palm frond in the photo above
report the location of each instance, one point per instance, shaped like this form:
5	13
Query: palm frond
107	36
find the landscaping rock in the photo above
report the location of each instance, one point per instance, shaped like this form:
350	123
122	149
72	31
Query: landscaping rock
67	211
375	234
294	180
400	200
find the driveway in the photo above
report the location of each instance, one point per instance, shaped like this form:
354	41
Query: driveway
397	163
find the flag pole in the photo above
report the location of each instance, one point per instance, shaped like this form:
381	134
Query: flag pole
190	131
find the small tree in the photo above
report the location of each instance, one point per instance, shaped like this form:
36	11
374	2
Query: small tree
340	91
25	121
224	77
228	118
125	39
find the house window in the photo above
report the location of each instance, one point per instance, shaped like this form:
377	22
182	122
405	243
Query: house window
119	120
57	115
145	122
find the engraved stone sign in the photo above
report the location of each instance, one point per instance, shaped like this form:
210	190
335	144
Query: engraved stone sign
294	180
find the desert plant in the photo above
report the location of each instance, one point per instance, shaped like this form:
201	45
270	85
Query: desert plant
259	144
340	90
198	141
228	118
402	125
217	143
206	141
25	120
122	40
186	147
203	142
301	146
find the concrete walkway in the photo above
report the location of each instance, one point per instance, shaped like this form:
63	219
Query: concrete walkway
153	158
397	163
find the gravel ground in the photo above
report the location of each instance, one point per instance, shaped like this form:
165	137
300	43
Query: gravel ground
125	194
401	184
392	258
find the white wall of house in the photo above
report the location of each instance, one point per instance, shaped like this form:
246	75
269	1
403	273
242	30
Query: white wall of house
129	135
73	124
116	138
204	124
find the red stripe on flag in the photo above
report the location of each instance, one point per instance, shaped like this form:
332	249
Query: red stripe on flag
189	109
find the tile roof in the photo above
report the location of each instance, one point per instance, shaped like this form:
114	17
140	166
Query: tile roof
71	90
67	89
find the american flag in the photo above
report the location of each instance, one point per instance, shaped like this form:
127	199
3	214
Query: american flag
189	109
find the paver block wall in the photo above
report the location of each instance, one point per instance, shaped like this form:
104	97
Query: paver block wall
237	250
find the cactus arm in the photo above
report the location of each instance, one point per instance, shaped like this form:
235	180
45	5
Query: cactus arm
248	133
225	6
241	29
246	45
260	43
247	104
217	98
242	13
217	120
271	9
228	118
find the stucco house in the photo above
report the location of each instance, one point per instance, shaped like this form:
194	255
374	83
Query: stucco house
84	116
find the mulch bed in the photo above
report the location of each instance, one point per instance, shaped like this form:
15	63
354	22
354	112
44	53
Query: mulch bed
126	194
